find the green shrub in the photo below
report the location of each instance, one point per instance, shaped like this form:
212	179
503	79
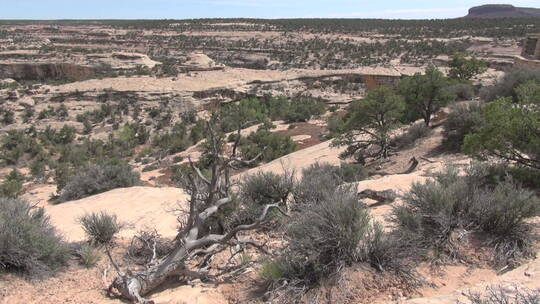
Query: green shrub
369	124
303	108
438	212
463	68
463	91
38	167
350	172
411	135
29	244
97	178
510	129
425	94
177	140
254	110
506	86
15	144
258	190
12	186
267	188
100	227
271	272
88	255
335	125
270	145
7	116
462	120
318	180
326	237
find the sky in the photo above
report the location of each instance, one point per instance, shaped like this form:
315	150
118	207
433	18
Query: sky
187	9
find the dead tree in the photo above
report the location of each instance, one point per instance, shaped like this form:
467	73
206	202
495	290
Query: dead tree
208	194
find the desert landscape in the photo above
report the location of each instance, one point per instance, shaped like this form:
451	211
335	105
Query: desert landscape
247	160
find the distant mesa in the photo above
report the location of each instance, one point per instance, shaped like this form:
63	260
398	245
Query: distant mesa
502	11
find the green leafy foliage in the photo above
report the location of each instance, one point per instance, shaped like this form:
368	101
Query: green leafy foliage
88	255
12	186
369	124
253	110
425	94
270	145
462	120
462	68
510	131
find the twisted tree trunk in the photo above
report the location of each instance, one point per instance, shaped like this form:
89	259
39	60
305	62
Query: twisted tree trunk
207	196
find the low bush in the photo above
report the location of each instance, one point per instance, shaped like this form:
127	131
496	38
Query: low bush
267	188
296	109
439	214
506	86
100	227
258	190
270	145
15	144
462	120
318	180
336	125
88	255
303	108
12	186
463	91
326	237
97	178
411	135
29	244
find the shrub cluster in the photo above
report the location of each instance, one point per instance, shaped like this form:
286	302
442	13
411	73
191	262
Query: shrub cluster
463	91
257	190
320	179
438	214
411	135
96	178
462	120
270	145
12	186
326	236
29	244
254	110
513	78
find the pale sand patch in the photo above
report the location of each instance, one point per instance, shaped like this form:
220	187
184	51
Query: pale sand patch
228	78
301	137
136	207
525	276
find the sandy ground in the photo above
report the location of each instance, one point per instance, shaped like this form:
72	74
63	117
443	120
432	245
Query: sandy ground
137	208
230	77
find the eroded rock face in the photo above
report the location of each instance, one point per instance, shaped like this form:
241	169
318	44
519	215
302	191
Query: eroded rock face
43	71
502	11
